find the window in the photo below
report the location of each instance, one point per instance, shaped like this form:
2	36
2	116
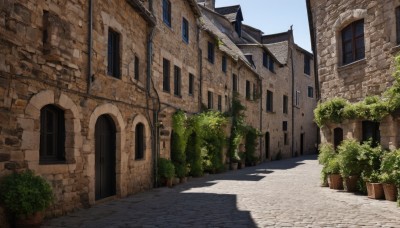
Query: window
285	104
398	25
310	92
139	141
185	30
220	103
370	131
211	52
234	83
113	54
210	100
52	135
166	74
297	98
224	64
136	68
284	126
191	84
270	99
167	12
307	61
268	62
285	139
177	81
353	42
248	96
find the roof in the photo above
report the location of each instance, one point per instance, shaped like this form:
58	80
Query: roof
279	50
230	12
226	44
195	8
275	38
146	14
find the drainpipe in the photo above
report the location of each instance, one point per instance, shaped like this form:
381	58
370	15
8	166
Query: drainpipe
200	60
90	48
293	99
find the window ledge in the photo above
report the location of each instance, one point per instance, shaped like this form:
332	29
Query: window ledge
395	49
352	64
178	96
270	112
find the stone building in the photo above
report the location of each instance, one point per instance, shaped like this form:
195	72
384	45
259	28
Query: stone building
356	42
88	89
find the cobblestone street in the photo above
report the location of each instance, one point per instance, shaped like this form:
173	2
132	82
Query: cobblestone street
276	194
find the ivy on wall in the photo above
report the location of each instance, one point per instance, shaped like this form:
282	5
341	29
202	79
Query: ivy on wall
373	108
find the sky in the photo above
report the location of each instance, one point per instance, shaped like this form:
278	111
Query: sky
275	16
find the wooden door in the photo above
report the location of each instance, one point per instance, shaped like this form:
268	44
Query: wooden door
105	157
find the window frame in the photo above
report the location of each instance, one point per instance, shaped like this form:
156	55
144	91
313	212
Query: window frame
284	125
220	103
224	64
191	84
297	98
166	9
136	71
140	148
210	52
307	65
166	75
185	30
210	100
285	104
270	101
354	49
55	155
113	54
248	90
235	83
310	92
177	81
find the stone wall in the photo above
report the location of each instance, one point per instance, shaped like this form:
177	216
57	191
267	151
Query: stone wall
37	71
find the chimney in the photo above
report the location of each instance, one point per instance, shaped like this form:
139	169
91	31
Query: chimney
209	4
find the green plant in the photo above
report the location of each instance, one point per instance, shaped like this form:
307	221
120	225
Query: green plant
326	153
349	151
333	166
24	193
238	128
166	169
390	167
370	160
330	111
252	135
180	137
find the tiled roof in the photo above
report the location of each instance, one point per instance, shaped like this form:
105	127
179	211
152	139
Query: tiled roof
229	12
226	44
280	50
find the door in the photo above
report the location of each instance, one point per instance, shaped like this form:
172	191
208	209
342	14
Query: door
301	143
105	157
337	137
267	142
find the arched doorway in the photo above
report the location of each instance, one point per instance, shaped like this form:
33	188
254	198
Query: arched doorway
105	137
337	136
267	145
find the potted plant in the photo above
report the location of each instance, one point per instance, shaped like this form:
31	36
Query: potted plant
374	188
326	153
370	162
333	170
26	196
350	166
390	169
166	171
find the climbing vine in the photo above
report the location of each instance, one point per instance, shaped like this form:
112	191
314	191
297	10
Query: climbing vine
238	128
373	108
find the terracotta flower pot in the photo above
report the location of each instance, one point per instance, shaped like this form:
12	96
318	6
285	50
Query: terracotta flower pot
335	181
32	221
375	190
390	191
350	183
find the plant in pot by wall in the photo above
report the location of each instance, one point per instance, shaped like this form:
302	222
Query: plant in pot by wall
350	166
333	171
370	162
166	171
374	187
26	196
390	177
326	153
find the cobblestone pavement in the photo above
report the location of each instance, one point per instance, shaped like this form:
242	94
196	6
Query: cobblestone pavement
276	194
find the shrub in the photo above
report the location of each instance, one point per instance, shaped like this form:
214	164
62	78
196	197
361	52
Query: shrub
349	151
390	167
166	169
252	135
330	111
333	166
370	160
326	153
24	193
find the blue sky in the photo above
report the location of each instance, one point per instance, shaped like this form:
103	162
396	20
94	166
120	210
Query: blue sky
275	16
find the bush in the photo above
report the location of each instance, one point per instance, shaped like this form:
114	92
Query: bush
326	153
390	168
333	166
349	151
24	193
370	161
330	111
166	169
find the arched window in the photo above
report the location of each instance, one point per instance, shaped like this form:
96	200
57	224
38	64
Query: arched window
139	141
353	46
52	135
